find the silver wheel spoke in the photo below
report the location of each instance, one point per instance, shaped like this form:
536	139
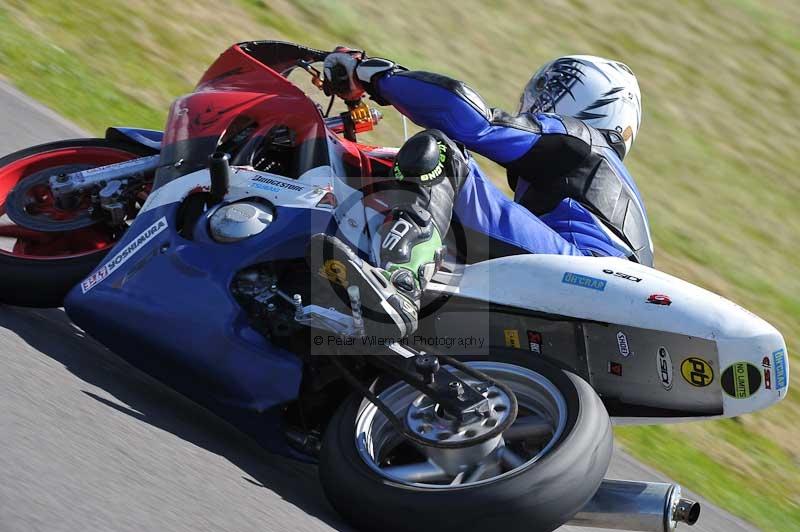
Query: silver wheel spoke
458	479
528	428
476	473
510	459
418	472
468	459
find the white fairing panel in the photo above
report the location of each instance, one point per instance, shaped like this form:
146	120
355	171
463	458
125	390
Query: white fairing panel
306	192
244	183
753	367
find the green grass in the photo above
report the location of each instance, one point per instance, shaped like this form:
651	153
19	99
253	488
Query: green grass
717	157
748	489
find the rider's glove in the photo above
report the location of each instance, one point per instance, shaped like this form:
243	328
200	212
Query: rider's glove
340	73
349	73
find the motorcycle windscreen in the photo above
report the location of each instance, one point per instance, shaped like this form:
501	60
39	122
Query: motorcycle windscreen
244	108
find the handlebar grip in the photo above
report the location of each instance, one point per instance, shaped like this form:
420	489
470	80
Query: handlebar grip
219	170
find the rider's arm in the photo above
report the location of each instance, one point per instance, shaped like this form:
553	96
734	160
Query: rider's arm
528	143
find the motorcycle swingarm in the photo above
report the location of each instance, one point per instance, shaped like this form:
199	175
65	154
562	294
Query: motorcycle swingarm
424	372
418	369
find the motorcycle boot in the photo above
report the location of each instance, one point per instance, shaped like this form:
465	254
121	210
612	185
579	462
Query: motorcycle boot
427	174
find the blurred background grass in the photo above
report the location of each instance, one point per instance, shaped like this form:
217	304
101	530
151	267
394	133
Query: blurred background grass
716	159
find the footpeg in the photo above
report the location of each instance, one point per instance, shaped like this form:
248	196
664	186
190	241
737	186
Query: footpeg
355	306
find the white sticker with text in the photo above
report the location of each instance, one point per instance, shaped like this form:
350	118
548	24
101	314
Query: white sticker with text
127	252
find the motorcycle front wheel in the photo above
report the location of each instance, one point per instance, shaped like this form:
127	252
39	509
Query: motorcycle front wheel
38	268
545	468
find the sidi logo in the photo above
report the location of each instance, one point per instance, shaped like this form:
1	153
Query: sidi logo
623	275
396	233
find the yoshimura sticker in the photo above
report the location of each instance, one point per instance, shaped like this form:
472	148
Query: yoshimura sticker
127	252
664	368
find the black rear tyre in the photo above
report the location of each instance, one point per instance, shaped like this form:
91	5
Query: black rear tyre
540	496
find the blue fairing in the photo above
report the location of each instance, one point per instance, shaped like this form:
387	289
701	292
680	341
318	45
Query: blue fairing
169	311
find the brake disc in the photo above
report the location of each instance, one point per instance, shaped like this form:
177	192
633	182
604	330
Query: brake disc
36	210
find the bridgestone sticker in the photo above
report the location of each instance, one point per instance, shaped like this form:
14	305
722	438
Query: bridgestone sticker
275	184
127	252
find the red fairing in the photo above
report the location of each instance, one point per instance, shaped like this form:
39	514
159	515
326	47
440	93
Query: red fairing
246	84
378	158
237	84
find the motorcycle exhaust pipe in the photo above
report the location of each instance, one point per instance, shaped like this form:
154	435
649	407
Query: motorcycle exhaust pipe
643	506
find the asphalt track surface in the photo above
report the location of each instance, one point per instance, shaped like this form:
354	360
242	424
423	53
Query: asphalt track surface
88	443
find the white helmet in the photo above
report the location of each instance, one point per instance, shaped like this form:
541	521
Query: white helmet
601	92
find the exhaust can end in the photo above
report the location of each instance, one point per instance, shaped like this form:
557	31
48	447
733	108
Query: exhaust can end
685	510
643	506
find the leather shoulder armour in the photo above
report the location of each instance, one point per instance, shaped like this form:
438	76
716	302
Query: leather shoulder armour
599	182
601	186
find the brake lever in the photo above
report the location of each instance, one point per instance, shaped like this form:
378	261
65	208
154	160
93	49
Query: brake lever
316	76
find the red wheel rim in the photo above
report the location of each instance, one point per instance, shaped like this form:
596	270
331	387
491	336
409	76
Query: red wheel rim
20	242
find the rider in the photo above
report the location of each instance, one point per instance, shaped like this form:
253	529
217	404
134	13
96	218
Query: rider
577	119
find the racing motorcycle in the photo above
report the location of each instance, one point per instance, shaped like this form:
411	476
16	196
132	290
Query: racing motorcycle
185	253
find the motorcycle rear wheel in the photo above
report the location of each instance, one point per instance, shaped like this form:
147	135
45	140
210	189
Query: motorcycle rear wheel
377	484
37	269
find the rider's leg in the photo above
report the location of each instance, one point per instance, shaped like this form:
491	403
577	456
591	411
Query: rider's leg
497	226
575	224
428	172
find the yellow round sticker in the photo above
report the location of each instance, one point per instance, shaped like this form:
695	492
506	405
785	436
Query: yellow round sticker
697	372
335	272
